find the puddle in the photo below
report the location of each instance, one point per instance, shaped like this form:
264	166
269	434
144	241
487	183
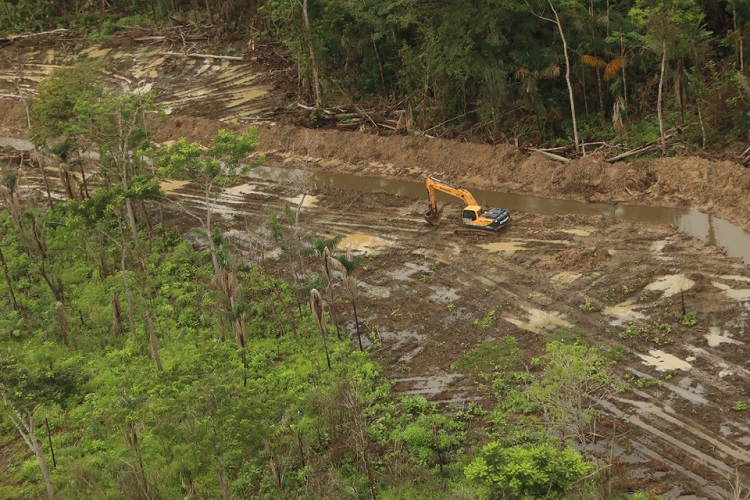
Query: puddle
735	277
671	284
49	56
577	232
406	274
725	371
247	97
611	449
242	190
17	144
222	206
170	186
143	89
273	254
401	340
429	385
364	243
740	433
375	291
443	295
692	390
459	316
624	313
306	199
658	246
738	295
685	388
663	361
540	321
565	277
95	52
401	336
504	246
715	338
409	356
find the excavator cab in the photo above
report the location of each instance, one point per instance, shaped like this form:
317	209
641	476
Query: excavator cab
470	214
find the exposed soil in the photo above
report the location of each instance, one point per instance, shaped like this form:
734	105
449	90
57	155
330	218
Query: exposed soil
422	288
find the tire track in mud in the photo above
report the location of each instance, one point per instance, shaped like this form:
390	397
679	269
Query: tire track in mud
661	428
230	91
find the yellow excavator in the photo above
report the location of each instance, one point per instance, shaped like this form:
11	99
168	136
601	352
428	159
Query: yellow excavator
473	215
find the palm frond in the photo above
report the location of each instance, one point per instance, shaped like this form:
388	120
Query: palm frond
551	72
593	61
521	73
613	68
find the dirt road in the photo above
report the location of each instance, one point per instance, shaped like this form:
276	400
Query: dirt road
679	309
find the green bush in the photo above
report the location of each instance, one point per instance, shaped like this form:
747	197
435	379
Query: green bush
528	472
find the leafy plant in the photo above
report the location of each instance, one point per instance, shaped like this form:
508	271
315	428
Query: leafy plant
495	356
567	336
690	318
615	353
740	406
587	306
487	321
527	471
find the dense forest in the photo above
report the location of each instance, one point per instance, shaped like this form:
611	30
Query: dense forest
138	363
554	71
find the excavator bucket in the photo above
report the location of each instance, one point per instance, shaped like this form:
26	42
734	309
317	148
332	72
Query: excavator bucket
433	216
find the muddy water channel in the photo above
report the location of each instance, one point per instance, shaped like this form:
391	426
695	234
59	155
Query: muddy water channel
709	229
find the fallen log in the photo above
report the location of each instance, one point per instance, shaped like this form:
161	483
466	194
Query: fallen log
14	156
650	145
385	125
630	153
162	38
551	156
348	116
13	38
150	39
202	56
313	108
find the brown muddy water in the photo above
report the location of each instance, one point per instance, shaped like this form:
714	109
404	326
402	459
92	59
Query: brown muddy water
709	229
706	227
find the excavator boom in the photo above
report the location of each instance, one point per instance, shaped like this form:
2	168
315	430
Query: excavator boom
434	185
473	216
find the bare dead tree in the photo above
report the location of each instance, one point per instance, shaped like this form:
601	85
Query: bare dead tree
558	23
25	424
116	315
331	266
8	279
316	306
357	427
350	283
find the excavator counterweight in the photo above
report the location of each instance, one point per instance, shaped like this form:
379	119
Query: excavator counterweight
473	215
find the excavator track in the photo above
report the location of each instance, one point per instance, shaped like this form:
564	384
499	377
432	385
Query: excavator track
474	231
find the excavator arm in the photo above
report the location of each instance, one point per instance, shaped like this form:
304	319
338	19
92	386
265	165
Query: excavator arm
433	186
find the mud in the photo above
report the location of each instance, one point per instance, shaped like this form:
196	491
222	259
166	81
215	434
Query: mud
422	289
